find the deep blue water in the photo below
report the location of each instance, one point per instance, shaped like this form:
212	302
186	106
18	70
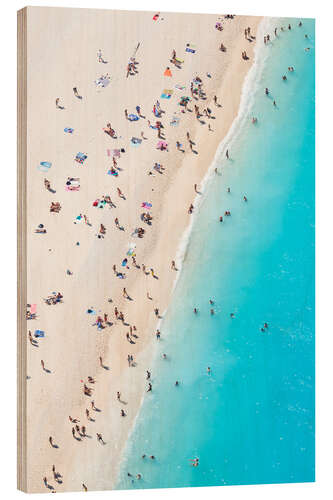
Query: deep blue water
252	419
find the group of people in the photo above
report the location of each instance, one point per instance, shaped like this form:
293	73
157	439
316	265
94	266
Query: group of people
160	128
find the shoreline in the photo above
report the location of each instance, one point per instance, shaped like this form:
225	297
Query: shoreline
229	138
95	465
149	420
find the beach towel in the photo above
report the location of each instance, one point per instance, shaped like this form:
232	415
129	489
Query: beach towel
133	118
113	172
131	249
39	334
190	48
80	158
124	262
33	308
167	72
135	141
175	121
44	166
115	152
102	81
156	112
68	130
72	185
162	145
166	94
180	87
146	205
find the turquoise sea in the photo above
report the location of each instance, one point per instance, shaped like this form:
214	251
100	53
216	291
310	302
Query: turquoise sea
252	419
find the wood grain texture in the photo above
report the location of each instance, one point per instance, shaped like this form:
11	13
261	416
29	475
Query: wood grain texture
21	246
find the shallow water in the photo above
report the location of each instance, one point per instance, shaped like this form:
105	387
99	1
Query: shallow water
252	419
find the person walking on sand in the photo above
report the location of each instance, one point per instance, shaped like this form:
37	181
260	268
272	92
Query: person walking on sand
148	375
84	487
73	420
227	154
76	93
150	387
118	395
31	340
51	442
99	438
173	265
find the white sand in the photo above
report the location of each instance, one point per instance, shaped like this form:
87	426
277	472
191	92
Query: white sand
62	48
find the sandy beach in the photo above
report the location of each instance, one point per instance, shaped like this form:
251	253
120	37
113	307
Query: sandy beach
67	44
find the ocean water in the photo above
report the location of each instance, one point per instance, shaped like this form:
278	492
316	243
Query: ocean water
252	419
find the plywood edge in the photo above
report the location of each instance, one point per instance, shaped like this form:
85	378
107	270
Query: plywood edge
21	247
